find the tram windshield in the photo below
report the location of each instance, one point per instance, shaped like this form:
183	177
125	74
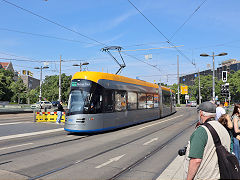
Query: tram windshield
85	97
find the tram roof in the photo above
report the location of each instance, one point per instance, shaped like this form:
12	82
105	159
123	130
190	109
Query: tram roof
96	76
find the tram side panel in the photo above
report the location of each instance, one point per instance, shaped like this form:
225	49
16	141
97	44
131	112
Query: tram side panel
166	103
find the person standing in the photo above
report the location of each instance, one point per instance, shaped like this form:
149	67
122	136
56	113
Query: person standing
59	112
236	132
220	110
201	161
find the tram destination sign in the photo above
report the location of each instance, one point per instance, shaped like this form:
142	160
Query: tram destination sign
80	83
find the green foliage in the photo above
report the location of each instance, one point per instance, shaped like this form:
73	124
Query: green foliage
6	78
50	87
19	91
206	87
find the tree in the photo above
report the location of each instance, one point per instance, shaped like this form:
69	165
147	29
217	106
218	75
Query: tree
50	87
19	91
6	78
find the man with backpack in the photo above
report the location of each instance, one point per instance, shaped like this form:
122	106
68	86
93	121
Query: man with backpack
201	160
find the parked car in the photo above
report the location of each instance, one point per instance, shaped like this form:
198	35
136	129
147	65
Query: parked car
42	105
55	103
191	104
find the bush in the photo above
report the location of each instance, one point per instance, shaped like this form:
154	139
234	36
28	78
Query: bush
178	105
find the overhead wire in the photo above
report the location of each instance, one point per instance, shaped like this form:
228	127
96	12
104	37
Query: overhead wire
180	27
46	36
64	27
168	40
53	22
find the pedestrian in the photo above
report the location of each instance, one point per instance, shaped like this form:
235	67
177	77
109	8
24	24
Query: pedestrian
220	110
225	120
59	112
236	132
201	161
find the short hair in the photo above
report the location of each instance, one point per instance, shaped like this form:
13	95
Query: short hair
222	103
208	114
223	120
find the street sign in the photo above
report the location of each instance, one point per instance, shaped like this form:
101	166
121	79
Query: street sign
186	97
184	89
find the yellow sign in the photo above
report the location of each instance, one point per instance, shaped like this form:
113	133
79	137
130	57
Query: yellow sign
184	89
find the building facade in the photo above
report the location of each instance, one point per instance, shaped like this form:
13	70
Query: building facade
30	82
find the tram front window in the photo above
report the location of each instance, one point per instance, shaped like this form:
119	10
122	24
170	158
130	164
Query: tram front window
85	98
78	101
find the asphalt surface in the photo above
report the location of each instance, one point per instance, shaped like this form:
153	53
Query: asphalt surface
30	150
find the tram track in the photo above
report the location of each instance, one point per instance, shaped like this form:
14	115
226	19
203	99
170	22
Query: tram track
124	171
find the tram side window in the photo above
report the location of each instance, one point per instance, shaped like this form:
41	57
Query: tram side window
132	100
108	99
156	101
120	101
141	100
149	101
166	98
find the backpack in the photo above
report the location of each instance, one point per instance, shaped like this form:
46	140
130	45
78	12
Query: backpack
228	163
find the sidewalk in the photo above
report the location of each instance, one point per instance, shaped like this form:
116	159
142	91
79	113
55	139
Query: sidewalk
174	171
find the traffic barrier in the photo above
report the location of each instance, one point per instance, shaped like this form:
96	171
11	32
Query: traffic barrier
40	117
63	117
49	117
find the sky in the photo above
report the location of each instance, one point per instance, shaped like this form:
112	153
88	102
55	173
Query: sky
32	32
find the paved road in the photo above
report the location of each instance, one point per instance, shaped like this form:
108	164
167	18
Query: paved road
41	150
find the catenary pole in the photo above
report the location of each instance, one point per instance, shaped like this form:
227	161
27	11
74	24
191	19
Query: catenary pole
199	87
60	84
178	78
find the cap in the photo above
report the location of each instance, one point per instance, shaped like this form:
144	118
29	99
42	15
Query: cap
207	107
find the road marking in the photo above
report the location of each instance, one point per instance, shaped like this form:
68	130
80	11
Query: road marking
30	134
154	139
4	124
159	122
110	161
15	146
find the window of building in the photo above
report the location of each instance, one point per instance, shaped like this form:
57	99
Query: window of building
120	101
149	101
132	100
141	100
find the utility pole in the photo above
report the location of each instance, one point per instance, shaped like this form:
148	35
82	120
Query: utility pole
178	78
213	88
60	84
199	87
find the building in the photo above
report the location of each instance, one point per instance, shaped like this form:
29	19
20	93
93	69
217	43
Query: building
228	65
7	66
30	82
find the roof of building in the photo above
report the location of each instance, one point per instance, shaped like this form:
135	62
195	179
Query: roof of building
4	64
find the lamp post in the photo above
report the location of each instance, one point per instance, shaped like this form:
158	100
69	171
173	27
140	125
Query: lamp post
213	55
41	68
81	64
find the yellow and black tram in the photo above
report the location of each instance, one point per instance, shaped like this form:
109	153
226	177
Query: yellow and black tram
102	101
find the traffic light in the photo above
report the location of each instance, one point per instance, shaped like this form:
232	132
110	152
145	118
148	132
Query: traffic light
24	72
225	89
224	76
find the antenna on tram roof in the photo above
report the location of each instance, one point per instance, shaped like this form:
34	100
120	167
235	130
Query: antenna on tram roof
118	48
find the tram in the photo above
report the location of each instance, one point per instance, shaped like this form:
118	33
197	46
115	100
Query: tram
102	101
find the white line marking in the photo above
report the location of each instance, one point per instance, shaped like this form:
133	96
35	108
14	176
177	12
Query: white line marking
159	122
110	161
30	134
154	139
15	146
4	124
